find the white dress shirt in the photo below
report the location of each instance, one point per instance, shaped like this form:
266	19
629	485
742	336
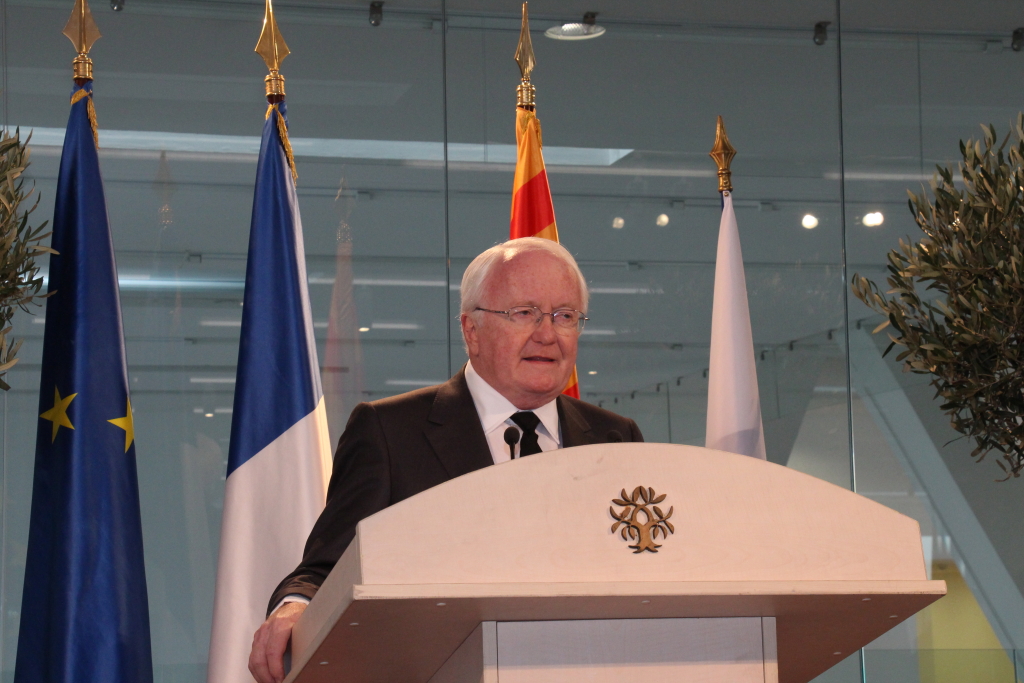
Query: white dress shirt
495	412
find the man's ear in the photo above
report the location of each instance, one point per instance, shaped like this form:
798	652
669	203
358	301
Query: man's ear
470	333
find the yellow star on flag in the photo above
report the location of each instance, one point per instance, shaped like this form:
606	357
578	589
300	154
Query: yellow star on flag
127	424
58	414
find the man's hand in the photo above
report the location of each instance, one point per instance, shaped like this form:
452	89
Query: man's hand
266	661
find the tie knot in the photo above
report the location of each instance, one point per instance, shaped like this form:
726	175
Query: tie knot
527	421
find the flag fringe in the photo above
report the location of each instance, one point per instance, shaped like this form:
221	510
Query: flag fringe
91	109
282	129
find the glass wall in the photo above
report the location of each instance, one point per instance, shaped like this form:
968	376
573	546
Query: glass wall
899	122
179	98
404	138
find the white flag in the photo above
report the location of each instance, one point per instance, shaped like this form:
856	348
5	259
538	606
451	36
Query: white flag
734	407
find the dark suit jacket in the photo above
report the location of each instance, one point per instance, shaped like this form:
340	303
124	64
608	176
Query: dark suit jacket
397	447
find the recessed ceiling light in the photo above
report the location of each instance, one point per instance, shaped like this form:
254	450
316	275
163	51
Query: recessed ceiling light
618	223
873	219
364	329
662	220
592	372
583	30
809	221
574	31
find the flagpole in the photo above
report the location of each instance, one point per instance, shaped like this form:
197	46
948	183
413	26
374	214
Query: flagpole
279	454
533	212
526	93
723	153
272	48
82	31
86	608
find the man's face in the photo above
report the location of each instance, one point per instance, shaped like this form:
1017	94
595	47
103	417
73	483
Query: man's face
527	364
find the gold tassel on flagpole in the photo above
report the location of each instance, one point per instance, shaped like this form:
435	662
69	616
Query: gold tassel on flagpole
91	109
282	130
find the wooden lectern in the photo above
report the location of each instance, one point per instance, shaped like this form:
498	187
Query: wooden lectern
514	572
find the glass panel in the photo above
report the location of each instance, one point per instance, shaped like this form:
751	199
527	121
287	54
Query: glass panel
846	671
900	120
939	666
628	120
366	115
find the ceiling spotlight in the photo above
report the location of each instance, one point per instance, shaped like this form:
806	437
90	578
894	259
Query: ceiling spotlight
618	223
583	30
662	220
1017	40
364	329
809	222
117	5
376	12
873	219
821	32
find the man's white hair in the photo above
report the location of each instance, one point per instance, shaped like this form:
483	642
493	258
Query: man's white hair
474	281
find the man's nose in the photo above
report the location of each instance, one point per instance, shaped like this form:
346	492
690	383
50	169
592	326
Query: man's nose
544	331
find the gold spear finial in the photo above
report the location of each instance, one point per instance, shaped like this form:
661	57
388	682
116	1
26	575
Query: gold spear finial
722	153
526	92
82	31
273	49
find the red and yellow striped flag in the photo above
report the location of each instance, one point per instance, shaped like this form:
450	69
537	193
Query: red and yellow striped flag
533	212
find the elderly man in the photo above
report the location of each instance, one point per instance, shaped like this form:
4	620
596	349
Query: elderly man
524	305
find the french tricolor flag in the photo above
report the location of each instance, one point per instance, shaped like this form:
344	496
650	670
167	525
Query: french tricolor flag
279	459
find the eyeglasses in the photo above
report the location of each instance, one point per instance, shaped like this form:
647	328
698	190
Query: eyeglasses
565	320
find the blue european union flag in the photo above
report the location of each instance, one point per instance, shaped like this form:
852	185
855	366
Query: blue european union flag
84	613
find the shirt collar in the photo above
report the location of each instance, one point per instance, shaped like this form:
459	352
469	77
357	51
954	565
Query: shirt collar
494	409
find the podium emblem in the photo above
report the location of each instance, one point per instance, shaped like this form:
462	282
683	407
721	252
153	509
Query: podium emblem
641	520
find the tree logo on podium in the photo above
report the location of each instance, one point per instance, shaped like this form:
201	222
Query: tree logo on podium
641	520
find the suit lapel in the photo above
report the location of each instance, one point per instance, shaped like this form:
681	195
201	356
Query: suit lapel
576	430
454	431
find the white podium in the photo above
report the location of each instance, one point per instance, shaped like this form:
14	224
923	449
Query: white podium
513	572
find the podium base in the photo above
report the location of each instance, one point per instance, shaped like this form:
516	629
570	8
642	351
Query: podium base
714	650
